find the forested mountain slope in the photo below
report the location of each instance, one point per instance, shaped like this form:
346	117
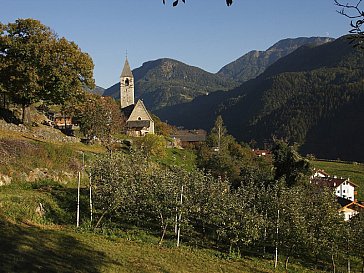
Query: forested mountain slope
252	64
167	82
313	96
97	90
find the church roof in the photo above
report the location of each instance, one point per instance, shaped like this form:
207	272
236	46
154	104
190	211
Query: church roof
126	70
128	110
190	135
140	102
138	123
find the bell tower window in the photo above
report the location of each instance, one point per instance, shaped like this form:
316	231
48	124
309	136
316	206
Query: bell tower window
127	82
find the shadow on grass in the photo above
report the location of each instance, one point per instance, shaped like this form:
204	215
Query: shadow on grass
30	249
66	199
9	116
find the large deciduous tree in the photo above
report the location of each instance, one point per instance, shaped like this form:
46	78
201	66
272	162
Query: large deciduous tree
289	164
38	65
98	117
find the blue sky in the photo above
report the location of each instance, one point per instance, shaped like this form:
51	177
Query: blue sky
203	33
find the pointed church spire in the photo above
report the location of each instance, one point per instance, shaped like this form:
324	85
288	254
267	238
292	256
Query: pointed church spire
126	70
126	86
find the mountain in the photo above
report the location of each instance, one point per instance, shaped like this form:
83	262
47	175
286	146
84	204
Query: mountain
97	90
166	82
252	64
313	96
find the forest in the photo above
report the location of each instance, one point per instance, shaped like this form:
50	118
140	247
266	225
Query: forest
311	97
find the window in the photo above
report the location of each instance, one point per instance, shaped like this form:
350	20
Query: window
127	82
343	191
139	118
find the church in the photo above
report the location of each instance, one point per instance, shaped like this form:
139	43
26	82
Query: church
138	121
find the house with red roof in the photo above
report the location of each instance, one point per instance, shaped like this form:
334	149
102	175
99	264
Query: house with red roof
343	188
349	208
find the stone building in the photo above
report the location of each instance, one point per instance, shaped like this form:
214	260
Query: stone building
138	121
126	86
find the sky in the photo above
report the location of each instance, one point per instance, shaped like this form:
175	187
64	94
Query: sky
202	33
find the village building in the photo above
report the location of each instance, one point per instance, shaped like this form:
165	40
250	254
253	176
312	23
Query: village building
260	153
349	208
344	190
188	138
319	173
138	120
342	187
62	121
59	121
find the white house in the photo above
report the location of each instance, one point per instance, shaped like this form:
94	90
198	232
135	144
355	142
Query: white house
349	208
344	190
343	187
320	173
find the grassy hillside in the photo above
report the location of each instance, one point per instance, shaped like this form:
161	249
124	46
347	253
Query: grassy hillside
35	153
354	171
46	240
32	242
27	248
37	221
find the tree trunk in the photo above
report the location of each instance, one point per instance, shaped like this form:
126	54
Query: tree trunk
23	114
333	264
26	118
316	261
65	124
102	216
163	234
349	267
286	263
164	228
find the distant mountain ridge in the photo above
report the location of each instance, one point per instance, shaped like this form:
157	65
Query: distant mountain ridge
254	63
97	90
313	96
166	82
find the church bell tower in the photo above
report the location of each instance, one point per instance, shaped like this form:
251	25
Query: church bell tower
126	86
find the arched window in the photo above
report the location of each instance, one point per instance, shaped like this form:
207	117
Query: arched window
127	82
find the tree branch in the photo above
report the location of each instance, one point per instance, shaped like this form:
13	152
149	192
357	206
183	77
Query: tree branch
353	12
349	7
175	3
